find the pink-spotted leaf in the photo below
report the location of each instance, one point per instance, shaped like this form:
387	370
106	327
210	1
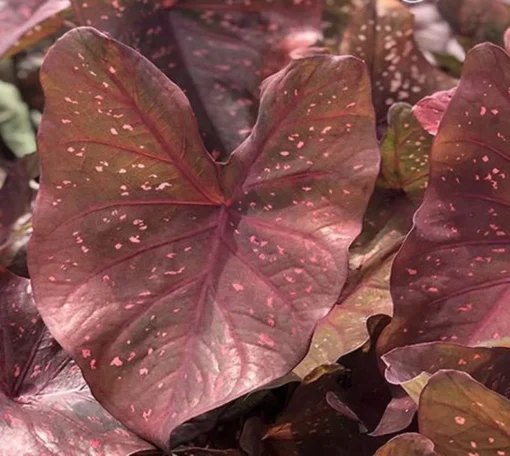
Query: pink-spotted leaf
216	51
461	416
179	283
25	22
45	405
450	281
405	150
381	33
387	220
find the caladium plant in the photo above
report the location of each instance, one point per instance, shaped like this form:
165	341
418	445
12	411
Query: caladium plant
193	257
176	282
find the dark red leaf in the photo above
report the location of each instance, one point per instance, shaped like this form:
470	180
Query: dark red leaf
178	283
430	110
309	426
45	406
24	22
398	415
381	33
453	266
477	21
408	445
217	51
461	416
368	393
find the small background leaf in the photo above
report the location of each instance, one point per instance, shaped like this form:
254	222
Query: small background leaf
381	33
461	416
405	150
408	445
26	22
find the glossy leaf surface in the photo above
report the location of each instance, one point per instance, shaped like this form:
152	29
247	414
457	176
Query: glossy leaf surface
461	416
178	283
410	444
45	406
24	22
381	33
454	265
217	51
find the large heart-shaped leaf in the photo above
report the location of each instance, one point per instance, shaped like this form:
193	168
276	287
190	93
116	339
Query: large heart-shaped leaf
179	283
218	52
45	405
461	416
453	266
28	21
381	33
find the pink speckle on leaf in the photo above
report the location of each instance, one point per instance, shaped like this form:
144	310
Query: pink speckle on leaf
237	287
116	362
460	420
265	340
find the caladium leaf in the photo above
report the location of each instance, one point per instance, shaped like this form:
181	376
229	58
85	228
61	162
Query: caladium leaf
29	21
410	444
218	52
176	282
405	150
477	21
430	110
381	33
486	365
45	405
461	416
453	265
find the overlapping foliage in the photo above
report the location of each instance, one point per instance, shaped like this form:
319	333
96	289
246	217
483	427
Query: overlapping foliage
223	239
